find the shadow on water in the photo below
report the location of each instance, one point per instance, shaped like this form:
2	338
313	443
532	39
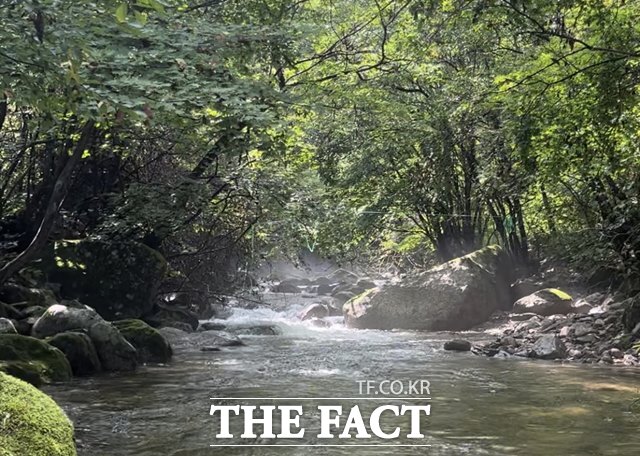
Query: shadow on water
479	406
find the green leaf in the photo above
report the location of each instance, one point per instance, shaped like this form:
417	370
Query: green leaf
142	18
121	12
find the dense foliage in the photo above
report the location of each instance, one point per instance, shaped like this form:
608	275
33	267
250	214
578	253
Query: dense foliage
225	131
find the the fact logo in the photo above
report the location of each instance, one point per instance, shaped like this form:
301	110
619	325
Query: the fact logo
383	411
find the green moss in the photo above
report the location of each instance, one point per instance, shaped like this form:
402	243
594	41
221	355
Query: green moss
559	294
19	352
363	295
150	344
31	423
487	259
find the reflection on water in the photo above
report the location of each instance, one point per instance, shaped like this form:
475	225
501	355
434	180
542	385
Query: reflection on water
480	406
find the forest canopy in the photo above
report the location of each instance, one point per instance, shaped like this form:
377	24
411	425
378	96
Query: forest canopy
226	132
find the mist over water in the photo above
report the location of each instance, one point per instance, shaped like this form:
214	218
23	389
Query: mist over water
479	405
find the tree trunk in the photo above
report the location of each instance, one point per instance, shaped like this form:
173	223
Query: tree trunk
58	194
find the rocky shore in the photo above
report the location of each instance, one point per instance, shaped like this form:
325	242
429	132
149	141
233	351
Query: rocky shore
603	331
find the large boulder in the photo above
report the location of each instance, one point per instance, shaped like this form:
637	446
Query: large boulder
32	423
32	360
115	353
61	318
151	346
118	279
549	301
456	295
79	350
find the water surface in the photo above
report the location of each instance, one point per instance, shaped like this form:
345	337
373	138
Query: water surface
480	406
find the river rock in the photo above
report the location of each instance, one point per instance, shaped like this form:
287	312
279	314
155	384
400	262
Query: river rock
150	345
616	353
287	286
586	339
7	326
211	326
174	336
256	330
219	339
32	360
581	329
117	279
549	346
457	345
324	289
546	302
581	306
79	351
115	353
64	317
170	315
315	311
32	423
456	295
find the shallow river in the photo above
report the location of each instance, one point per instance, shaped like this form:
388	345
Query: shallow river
479	406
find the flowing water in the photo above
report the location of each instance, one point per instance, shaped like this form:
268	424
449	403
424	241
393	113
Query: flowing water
479	406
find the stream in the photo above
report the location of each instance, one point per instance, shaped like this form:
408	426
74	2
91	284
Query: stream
479	406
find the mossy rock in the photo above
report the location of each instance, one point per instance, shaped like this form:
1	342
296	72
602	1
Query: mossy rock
79	351
32	356
115	352
150	344
32	423
549	301
455	295
118	279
